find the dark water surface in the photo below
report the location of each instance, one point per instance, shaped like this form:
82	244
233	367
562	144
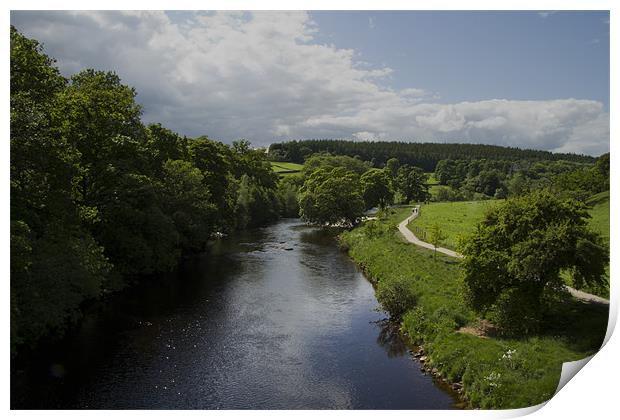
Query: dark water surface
251	325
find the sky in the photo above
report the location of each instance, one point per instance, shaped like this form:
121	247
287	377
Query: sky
524	79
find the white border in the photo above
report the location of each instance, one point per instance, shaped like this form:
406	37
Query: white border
591	394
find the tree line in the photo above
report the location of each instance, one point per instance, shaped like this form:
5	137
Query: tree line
337	190
468	179
98	199
423	155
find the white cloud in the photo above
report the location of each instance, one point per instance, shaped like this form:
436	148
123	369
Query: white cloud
371	23
261	76
545	15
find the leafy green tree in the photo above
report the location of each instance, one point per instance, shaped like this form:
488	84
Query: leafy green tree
188	202
214	160
518	251
253	163
376	188
411	183
256	205
55	263
436	236
137	234
391	166
328	161
162	145
583	182
331	196
488	182
288	191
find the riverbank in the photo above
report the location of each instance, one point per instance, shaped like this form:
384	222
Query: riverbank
490	371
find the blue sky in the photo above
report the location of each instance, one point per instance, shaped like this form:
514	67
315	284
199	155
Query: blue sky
466	56
521	79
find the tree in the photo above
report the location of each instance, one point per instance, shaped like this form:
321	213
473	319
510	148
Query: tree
288	190
518	251
329	162
188	203
331	197
436	236
376	189
488	182
391	166
411	183
55	262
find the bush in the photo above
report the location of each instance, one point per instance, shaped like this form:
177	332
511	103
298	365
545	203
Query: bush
396	297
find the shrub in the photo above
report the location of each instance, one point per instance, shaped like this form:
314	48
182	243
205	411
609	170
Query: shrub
396	297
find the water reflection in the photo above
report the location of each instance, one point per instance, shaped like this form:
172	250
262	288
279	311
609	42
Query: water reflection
271	318
389	338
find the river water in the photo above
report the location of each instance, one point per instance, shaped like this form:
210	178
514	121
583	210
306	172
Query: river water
273	318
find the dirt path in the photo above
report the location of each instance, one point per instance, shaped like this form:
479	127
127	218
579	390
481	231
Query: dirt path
410	237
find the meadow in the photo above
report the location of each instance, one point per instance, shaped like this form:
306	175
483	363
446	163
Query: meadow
456	219
286	168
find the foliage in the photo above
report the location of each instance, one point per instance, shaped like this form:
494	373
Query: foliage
518	251
327	161
55	262
376	188
391	166
396	297
584	182
331	196
288	192
436	236
423	155
411	183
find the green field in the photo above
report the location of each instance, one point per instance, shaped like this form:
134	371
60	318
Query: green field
455	219
600	213
286	168
442	322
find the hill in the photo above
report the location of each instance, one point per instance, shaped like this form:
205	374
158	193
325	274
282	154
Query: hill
423	155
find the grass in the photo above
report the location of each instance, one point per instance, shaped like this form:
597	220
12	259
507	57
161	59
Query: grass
431	179
600	213
495	372
455	218
286	168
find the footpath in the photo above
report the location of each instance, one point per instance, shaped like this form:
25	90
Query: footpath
410	237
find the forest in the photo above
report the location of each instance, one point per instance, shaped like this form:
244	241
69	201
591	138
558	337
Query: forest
423	155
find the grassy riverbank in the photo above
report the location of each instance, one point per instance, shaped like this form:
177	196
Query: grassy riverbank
494	372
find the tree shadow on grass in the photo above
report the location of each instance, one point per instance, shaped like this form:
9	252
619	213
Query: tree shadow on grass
582	325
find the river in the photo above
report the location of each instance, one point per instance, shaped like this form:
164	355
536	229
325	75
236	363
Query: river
273	318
